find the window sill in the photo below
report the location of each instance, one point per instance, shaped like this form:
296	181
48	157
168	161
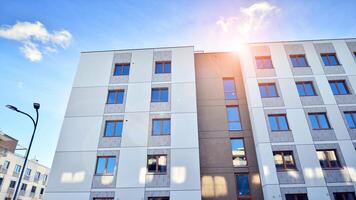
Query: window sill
342	94
322	129
114	103
287	170
339	65
235	130
160	134
333	168
155	173
159	101
103	175
264	68
158	73
112	136
120	75
288	130
270	97
307	66
308	95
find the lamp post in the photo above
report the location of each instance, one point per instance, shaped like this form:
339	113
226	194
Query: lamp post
36	106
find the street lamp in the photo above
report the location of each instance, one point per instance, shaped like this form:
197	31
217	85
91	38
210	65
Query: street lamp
36	106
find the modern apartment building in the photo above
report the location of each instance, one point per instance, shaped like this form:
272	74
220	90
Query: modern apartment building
34	181
275	121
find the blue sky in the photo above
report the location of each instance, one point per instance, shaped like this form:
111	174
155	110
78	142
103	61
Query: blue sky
39	65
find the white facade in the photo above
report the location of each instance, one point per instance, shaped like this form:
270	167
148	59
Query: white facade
81	140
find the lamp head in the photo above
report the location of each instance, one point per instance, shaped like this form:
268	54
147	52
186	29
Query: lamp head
12	107
36	106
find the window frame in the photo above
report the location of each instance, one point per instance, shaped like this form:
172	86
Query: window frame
344	195
284	165
6	165
278	123
233	92
160	89
161	122
243	197
296	196
33	189
103	198
163	63
353	118
304	83
114	128
17	167
329	167
23	187
233	121
328	55
297	57
264	58
122	65
245	153
266	85
336	82
12	184
157	156
37	175
116	97
105	173
317	114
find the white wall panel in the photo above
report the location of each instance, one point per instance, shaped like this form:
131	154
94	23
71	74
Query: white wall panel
253	93
272	192
280	61
185	195
183	69
141	66
349	152
313	58
72	171
318	193
352	80
325	90
247	62
184	130
337	122
184	97
87	101
266	164
130	193
185	169
83	129
290	93
94	69
68	196
135	130
132	168
299	126
138	97
345	56
259	126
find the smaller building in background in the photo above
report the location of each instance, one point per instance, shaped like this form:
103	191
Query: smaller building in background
35	177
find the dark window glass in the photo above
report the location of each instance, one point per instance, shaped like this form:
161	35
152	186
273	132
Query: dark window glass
159	95
105	165
344	196
12	184
268	90
161	127
351	119
298	60
339	87
278	122
157	164
319	121
238	152
28	172
284	160
296	197
122	69
329	59
158	198
229	89
163	67
305	89
113	128
233	118
1	180
23	187
42	191
264	62
243	186
116	97
6	165
103	198
33	189
328	159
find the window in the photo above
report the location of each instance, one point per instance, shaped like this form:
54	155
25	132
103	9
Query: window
37	175
1	180
105	165
284	160
351	119
306	88
238	152
158	198
28	172
278	122
103	198
6	164
344	196
33	189
329	59
355	53
233	118
298	60
161	126
339	87
45	177
264	62
296	197
23	187
268	90
113	128
42	191
229	88
243	186
328	159
12	184
17	169
116	97
163	67
319	121
122	69
159	95
157	164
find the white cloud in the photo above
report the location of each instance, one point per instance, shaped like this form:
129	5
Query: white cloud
20	85
35	38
